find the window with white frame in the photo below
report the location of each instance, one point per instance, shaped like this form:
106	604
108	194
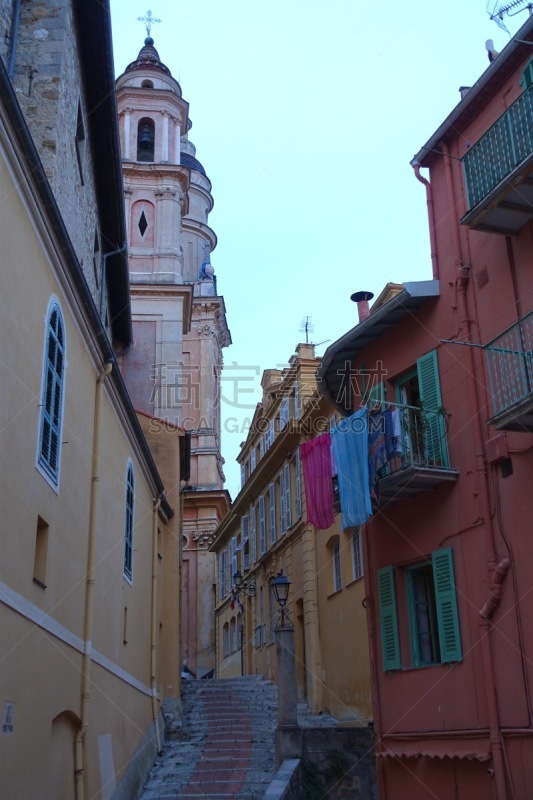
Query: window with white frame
253	460
128	526
270	434
52	395
272	512
262	525
245	542
243	475
336	563
261	447
357	555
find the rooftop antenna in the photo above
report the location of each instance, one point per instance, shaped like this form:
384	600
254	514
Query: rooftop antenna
496	9
307	327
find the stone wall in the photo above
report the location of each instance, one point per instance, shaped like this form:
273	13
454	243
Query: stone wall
48	87
338	763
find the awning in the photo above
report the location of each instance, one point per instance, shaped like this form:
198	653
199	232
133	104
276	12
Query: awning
332	371
438	747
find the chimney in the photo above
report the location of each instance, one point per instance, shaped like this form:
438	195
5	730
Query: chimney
362	298
463	91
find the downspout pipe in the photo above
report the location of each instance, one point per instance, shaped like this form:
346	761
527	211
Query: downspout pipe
14	37
89	591
104	274
431	216
154	627
482	487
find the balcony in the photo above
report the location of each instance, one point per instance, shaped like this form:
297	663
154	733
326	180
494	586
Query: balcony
422	460
499	172
510	370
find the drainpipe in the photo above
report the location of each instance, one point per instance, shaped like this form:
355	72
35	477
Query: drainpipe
153	643
431	216
13	42
104	273
482	488
89	592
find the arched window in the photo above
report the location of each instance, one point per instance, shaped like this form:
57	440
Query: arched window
128	527
53	384
145	139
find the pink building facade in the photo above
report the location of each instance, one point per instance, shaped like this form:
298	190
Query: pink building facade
448	551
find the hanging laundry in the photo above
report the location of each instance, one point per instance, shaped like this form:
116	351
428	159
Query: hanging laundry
350	446
377	452
318	481
393	436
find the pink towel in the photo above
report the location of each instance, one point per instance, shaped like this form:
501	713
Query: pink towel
317	469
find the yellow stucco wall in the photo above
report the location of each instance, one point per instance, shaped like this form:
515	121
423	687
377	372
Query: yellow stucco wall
43	628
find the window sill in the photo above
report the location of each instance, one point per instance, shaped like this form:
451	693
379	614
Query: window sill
354	580
334	592
40	583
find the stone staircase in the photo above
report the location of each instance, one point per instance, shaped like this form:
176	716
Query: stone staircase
226	747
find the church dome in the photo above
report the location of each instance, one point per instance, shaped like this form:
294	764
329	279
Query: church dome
187	160
148	57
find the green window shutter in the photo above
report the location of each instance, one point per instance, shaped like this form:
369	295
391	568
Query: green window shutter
434	429
526	78
376	395
448	619
388	619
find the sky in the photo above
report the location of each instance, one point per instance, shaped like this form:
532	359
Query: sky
306	114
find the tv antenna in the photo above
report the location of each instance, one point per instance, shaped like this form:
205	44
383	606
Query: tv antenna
496	9
307	327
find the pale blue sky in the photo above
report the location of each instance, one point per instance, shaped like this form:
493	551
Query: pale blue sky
306	114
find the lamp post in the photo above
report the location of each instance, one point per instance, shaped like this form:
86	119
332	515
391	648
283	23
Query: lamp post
288	732
240	586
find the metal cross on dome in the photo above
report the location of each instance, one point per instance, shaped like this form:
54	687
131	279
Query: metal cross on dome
149	19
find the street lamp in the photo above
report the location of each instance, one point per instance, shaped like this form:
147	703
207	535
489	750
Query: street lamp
240	586
281	585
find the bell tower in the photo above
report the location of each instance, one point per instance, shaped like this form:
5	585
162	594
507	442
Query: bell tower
179	320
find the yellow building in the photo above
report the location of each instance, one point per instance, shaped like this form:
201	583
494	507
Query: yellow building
267	531
89	586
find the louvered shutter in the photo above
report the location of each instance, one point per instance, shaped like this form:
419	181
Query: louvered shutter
296	401
376	396
446	601
298	481
388	619
436	451
272	512
284	412
282	502
262	524
288	499
253	534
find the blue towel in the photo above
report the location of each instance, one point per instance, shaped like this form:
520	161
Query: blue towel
350	446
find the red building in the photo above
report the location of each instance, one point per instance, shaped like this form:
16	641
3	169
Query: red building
449	550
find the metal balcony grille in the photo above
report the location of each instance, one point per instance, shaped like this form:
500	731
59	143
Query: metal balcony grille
510	366
500	150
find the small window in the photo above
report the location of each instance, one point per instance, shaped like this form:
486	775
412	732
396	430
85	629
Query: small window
146	84
336	563
357	556
41	553
51	418
423	615
145	140
129	523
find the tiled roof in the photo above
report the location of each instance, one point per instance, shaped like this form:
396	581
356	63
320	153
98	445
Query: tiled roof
187	160
148	57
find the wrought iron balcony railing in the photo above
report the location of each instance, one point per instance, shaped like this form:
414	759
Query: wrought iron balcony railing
502	149
421	459
510	370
